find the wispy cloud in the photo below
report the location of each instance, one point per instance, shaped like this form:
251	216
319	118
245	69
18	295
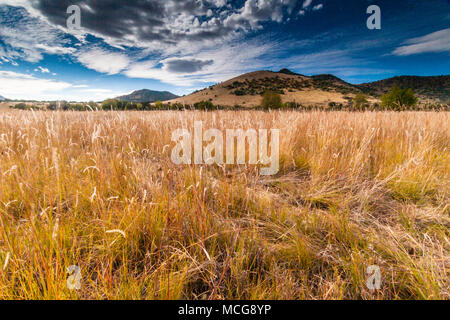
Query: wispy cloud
317	7
42	70
438	41
306	3
28	38
211	64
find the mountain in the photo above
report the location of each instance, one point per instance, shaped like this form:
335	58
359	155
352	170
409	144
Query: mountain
319	90
435	88
146	95
247	89
2	98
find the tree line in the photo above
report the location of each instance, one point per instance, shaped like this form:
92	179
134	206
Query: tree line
396	99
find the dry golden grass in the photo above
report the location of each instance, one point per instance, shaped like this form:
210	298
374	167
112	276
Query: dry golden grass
98	190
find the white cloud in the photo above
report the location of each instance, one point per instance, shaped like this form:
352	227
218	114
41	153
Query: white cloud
317	7
23	86
27	37
42	69
438	41
27	87
307	3
103	61
98	90
228	60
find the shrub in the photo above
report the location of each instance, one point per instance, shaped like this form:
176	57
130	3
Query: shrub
110	104
271	100
159	105
360	101
399	99
204	105
21	106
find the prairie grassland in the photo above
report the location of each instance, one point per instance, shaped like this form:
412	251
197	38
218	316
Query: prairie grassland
98	190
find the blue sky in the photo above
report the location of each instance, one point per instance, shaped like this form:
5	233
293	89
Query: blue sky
184	45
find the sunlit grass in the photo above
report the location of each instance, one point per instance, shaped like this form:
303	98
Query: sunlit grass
98	190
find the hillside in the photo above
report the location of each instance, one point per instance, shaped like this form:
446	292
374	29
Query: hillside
247	89
146	95
2	98
427	88
319	90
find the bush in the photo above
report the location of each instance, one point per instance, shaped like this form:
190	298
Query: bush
204	105
20	106
159	105
399	99
271	100
110	104
360	101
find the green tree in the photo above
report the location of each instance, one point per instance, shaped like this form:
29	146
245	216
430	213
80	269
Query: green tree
399	99
110	104
159	105
360	101
271	100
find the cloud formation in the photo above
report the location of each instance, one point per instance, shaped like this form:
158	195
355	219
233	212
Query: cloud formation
140	23
20	86
438	41
28	38
168	40
102	60
42	70
186	65
317	7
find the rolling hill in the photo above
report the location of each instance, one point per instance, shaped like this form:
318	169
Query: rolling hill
426	88
318	90
146	95
246	90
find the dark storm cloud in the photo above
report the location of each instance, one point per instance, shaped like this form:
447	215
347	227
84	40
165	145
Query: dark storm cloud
110	18
167	21
186	65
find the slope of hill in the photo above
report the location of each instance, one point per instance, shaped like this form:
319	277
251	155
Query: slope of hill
319	90
146	95
247	89
427	88
2	98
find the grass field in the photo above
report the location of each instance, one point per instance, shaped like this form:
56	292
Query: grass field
98	190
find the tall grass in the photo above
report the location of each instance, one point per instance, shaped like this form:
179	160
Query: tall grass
98	190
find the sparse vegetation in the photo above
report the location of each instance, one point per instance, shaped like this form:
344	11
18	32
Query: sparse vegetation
98	190
436	88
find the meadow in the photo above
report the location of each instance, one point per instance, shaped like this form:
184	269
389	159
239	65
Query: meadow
98	190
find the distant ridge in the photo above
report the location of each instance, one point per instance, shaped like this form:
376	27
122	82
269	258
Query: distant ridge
427	88
146	95
287	71
2	98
